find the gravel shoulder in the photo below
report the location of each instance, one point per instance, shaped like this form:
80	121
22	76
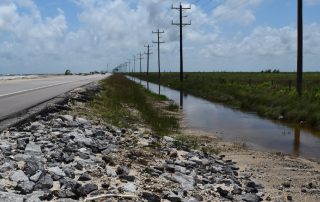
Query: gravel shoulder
65	156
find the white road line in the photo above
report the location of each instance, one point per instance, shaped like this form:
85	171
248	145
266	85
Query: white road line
33	89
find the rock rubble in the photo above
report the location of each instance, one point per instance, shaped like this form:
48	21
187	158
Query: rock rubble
61	157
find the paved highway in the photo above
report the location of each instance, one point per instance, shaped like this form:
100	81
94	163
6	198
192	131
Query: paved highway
20	94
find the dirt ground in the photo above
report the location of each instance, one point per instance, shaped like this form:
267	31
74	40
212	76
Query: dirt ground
285	178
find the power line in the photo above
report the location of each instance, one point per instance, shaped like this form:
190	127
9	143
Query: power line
181	24
158	32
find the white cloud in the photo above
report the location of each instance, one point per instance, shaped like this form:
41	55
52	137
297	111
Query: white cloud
313	2
240	11
111	31
8	16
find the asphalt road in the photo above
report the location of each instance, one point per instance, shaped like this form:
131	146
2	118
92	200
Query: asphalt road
21	94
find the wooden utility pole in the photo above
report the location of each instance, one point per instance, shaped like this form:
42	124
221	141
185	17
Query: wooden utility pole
181	24
148	53
140	58
129	65
134	63
158	32
300	47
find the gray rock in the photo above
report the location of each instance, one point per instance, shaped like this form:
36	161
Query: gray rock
45	182
33	149
7	165
19	176
69	172
36	176
111	172
32	166
25	187
84	177
196	197
5	147
130	178
67	118
83	121
22	143
38	196
168	139
222	192
11	197
187	182
170	168
251	198
36	126
251	184
22	157
64	193
67	158
70	184
173	197
129	187
150	197
87	189
57	171
79	166
122	170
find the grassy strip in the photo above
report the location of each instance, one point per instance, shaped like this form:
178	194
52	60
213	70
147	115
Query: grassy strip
121	98
268	94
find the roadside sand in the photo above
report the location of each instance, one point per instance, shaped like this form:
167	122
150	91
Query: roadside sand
283	176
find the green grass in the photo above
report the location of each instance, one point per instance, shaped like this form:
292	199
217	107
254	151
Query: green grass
119	100
268	94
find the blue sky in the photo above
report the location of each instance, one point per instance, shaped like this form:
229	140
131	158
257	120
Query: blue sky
44	36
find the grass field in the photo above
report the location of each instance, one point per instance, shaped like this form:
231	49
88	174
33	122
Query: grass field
121	99
271	95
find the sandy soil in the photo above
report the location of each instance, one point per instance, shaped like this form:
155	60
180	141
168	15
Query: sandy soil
283	176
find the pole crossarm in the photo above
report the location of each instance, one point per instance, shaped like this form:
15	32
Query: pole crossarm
158	32
181	24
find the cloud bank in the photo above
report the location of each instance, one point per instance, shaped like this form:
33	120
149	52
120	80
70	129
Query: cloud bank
112	31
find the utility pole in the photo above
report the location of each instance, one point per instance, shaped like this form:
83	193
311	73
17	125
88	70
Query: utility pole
300	47
140	58
129	65
134	64
181	24
158	42
148	55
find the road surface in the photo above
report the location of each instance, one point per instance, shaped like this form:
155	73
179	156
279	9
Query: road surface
21	94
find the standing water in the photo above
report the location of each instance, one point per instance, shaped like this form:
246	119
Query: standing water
237	126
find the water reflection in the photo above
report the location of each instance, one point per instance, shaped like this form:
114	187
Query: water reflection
235	125
181	99
296	141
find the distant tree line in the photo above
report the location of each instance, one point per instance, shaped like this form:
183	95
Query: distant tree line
270	71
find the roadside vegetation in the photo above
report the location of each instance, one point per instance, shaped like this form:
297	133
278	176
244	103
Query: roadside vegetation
270	94
124	103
